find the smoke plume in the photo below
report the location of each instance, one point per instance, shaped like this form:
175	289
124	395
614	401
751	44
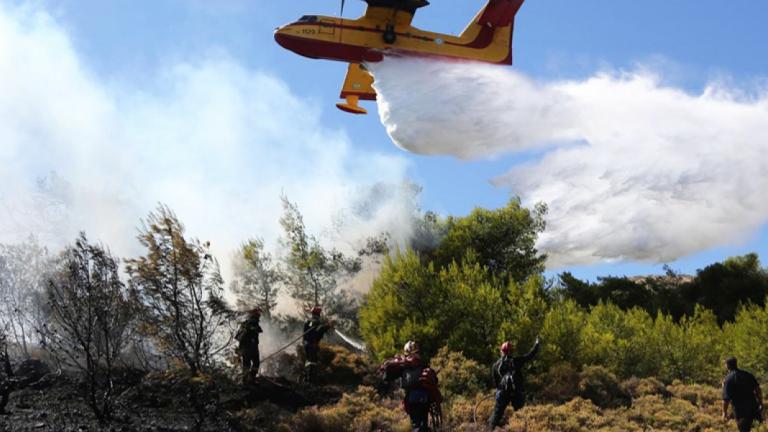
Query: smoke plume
630	168
216	141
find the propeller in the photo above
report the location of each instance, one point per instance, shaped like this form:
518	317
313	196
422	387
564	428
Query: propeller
341	13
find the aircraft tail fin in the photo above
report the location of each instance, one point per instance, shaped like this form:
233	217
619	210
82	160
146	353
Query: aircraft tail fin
493	25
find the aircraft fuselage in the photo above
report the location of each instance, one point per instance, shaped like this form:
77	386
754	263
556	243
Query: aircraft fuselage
365	39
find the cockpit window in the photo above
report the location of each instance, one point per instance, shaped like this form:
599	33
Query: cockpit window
308	18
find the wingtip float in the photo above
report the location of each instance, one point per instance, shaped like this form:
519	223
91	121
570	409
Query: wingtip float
386	28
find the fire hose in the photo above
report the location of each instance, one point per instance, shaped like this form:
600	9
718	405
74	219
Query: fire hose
477	405
286	346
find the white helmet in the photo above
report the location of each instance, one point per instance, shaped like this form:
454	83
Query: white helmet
410	348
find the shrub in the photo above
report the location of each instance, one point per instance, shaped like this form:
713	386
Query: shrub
637	387
462	410
699	395
599	385
361	411
341	366
458	374
576	415
559	384
264	415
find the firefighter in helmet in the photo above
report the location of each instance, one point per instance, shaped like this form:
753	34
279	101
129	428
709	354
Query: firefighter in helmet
248	344
508	379
422	395
314	330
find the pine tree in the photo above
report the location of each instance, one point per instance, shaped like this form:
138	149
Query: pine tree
312	273
179	287
256	279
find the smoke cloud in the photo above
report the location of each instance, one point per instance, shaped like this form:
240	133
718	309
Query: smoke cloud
630	168
218	142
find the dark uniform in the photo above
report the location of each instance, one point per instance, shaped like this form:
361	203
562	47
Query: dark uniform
248	337
740	388
508	380
314	330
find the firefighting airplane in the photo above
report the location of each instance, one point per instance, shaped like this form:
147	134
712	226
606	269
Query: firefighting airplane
386	29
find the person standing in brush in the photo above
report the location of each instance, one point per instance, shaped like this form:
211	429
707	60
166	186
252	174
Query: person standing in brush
508	379
314	330
742	391
248	338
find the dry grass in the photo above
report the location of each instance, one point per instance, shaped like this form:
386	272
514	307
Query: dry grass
653	407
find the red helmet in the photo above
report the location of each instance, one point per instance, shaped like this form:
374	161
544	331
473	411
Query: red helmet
316	310
506	347
255	312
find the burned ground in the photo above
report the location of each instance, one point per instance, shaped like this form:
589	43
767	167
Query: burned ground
43	400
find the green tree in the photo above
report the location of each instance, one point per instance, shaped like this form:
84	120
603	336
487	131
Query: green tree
571	287
691	349
504	240
180	290
464	292
525	309
746	337
461	307
562	334
722	287
406	302
255	282
620	340
312	273
474	311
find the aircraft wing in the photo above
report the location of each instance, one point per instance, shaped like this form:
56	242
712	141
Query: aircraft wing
358	85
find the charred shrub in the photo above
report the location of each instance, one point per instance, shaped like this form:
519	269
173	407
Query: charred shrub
90	315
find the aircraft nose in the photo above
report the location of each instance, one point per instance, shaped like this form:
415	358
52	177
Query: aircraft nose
281	38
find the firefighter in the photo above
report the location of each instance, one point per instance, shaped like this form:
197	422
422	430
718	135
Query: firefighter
248	339
420	384
508	380
742	391
314	330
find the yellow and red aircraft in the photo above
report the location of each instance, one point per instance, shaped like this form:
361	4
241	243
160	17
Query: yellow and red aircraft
386	29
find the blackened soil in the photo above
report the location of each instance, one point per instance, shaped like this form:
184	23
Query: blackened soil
162	402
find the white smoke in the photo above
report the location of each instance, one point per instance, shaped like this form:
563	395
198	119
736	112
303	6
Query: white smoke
630	168
217	142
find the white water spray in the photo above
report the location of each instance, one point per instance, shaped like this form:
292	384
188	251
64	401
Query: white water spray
630	168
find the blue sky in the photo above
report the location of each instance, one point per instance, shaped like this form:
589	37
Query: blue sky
689	42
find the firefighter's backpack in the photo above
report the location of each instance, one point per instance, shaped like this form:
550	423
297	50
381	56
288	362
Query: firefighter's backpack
410	378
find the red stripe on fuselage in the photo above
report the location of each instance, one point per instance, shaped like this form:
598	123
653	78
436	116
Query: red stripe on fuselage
482	40
319	49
